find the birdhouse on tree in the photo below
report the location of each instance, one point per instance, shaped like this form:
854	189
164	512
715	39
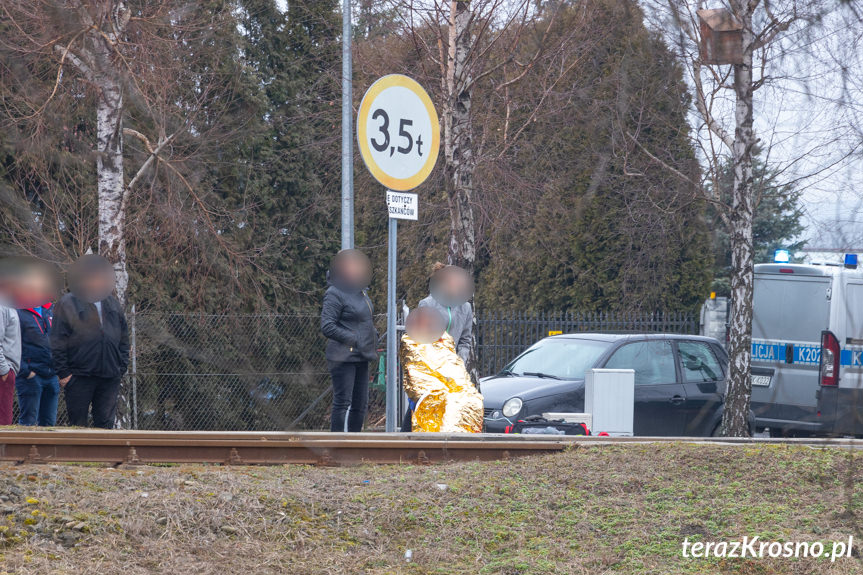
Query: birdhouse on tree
721	37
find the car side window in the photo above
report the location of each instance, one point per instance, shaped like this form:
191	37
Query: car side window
653	361
719	353
699	362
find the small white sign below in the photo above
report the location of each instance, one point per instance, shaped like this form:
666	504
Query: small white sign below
403	205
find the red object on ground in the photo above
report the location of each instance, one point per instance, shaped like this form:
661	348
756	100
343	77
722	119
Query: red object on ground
603	434
511	428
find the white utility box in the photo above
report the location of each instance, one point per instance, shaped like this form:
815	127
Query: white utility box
609	397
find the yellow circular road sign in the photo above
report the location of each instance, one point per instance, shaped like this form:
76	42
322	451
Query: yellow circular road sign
398	132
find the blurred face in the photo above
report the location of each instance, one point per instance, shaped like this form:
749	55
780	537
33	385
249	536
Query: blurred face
425	325
351	269
98	283
452	286
27	282
91	278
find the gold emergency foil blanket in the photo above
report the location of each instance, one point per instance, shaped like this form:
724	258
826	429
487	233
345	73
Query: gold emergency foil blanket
436	379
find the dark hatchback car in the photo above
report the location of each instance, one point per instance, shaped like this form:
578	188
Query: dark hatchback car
679	381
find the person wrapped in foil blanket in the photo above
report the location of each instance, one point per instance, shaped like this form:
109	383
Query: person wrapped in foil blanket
436	380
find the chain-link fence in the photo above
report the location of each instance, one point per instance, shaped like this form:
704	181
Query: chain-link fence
268	372
232	372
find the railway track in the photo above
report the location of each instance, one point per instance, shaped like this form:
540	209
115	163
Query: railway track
250	448
315	448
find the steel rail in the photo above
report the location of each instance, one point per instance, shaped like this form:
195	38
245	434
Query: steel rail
318	448
121	447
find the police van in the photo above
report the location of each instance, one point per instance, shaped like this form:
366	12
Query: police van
807	348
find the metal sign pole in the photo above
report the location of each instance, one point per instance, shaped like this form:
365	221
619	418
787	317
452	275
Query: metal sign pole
347	131
392	337
134	354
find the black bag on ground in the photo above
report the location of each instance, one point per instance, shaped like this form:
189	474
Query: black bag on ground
538	425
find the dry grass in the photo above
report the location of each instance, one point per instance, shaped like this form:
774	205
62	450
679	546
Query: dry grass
622	509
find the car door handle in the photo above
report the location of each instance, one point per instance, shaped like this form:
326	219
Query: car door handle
677	399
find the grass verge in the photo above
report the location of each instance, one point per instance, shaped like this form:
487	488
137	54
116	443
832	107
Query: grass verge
604	509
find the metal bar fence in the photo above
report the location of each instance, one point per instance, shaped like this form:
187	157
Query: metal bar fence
268	372
503	335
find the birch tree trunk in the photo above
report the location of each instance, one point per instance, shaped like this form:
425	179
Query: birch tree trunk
460	161
109	168
96	59
459	158
737	399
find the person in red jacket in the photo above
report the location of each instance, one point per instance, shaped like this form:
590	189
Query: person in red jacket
37	386
25	283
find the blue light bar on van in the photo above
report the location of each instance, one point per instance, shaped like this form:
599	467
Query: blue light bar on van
781	256
851	261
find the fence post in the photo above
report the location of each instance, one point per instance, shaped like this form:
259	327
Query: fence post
134	353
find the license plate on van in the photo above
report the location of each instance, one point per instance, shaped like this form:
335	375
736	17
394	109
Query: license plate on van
761	380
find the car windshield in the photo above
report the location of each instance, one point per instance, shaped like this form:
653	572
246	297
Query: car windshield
562	358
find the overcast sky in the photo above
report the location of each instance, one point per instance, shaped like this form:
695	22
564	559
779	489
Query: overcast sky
819	120
808	115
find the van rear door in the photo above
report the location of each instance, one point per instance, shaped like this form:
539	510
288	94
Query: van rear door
841	405
791	308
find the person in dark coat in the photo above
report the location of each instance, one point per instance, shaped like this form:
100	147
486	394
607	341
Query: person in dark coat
37	387
347	323
90	343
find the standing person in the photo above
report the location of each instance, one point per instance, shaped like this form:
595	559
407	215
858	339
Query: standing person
90	343
25	282
347	321
37	387
10	360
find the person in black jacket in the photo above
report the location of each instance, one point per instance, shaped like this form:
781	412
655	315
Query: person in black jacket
347	322
90	343
37	387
